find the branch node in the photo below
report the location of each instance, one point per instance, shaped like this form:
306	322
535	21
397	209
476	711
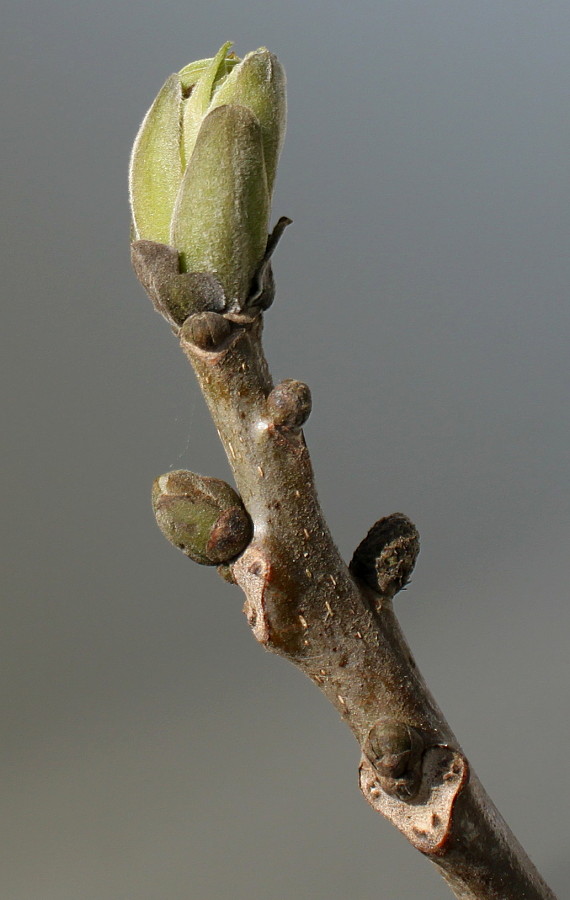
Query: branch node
426	818
251	571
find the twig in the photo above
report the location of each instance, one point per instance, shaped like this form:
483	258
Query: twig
302	601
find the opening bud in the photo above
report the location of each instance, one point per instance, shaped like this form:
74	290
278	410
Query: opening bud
203	166
203	517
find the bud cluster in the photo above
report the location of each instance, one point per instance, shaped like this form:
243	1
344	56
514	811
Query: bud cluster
203	166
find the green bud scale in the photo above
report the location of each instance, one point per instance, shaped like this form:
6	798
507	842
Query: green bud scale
203	517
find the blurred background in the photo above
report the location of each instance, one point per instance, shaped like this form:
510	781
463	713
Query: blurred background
149	748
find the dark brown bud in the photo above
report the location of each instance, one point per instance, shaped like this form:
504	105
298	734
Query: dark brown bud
289	403
395	750
203	517
206	330
386	557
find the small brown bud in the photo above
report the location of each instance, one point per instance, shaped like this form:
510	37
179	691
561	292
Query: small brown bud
395	749
289	403
205	330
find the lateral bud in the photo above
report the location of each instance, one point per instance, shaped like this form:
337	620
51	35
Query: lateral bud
204	517
394	750
289	404
206	330
386	557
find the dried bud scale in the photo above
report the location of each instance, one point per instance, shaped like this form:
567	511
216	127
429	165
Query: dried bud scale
386	557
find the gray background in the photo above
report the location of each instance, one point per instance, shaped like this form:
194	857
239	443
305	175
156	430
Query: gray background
150	749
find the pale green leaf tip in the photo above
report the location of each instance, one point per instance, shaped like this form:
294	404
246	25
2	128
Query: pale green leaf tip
190	74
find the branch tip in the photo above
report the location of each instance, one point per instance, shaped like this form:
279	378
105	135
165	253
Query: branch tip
426	819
